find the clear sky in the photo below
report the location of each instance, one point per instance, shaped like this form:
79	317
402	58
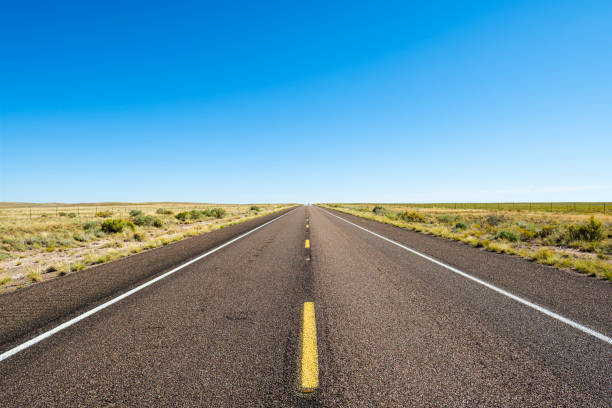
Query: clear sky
313	101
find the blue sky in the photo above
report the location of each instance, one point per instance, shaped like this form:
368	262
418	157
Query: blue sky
311	102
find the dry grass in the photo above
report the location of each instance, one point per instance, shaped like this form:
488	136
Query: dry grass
549	238
57	240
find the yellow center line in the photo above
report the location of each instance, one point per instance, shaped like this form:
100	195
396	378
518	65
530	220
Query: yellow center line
306	225
310	357
307	244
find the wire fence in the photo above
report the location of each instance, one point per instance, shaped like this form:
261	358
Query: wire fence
91	211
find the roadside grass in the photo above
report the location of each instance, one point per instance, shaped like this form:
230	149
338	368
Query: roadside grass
581	242
68	244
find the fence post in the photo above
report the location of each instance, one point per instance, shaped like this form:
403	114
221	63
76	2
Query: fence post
30	212
550	206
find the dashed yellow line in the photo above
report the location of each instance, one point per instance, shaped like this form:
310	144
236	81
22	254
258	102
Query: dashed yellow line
309	380
307	226
307	244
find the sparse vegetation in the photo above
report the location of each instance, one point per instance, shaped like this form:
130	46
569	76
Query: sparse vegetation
582	242
254	208
104	214
71	239
35	276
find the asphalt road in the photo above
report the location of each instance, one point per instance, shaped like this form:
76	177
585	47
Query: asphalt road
393	328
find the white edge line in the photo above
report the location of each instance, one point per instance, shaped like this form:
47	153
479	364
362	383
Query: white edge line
96	309
525	302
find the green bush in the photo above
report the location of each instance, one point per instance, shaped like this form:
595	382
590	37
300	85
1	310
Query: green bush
135	213
164	211
449	218
592	231
62	214
508	235
72	215
255	208
461	225
116	225
217	212
197	214
378	210
104	214
90	225
546	231
147	220
411	216
494	219
182	216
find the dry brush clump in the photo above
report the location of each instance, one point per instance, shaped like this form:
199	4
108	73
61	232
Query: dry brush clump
581	242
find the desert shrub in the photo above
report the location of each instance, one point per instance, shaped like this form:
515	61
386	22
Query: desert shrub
508	235
591	231
391	215
157	223
217	212
104	214
139	237
164	211
147	220
62	214
494	219
378	210
135	213
83	237
461	225
449	218
546	231
527	234
116	225
255	208
197	214
411	216
89	225
71	215
182	216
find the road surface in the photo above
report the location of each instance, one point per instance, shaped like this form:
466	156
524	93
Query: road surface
393	327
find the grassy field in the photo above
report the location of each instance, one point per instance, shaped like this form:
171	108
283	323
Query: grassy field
42	241
580	240
558	207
